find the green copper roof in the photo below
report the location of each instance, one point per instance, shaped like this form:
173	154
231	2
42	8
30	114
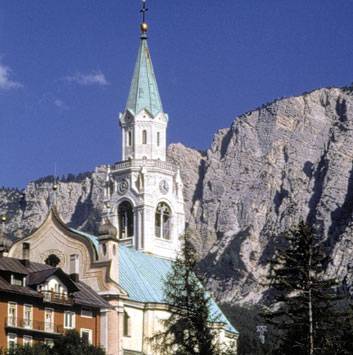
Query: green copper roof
144	92
142	276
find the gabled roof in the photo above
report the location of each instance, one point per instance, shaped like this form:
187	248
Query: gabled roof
37	278
5	286
142	276
53	218
38	273
12	265
144	92
86	296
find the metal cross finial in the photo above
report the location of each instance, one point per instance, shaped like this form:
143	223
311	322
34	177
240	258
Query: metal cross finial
144	10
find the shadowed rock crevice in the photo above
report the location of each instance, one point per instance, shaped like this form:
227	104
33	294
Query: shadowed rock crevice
342	216
280	194
308	169
341	109
83	209
318	188
225	142
198	194
230	263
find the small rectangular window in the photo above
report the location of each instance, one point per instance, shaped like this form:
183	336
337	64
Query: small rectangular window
86	335
49	320
86	313
144	137
69	320
127	325
27	340
27	316
158	139
74	264
11	341
12	314
16	280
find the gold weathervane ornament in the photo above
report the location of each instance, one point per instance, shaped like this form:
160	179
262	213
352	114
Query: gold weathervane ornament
144	25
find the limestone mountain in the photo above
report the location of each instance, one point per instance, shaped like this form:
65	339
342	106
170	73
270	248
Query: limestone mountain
289	160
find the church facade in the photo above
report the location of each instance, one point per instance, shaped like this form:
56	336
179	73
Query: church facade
127	263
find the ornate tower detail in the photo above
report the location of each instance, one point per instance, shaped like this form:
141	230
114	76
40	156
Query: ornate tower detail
143	123
144	190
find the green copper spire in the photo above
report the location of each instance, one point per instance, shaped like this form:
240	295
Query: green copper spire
144	92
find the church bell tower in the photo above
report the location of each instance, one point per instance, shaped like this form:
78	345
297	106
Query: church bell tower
144	192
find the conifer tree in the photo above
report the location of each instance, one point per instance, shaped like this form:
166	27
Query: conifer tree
305	309
187	331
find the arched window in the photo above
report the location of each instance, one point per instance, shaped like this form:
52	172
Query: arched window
144	137
52	260
129	138
158	139
162	221
126	220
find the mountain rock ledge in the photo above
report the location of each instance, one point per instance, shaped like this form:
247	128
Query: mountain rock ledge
289	160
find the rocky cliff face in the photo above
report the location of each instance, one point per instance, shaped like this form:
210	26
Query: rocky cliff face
288	160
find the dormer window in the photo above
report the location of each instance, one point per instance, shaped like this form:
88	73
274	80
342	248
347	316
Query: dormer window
17	280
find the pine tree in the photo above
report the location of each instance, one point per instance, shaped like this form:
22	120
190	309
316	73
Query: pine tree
187	331
305	310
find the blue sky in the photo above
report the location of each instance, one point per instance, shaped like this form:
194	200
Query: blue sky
66	66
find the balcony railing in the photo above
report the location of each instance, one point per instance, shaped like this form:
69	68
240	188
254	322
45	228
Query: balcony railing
136	163
54	297
34	325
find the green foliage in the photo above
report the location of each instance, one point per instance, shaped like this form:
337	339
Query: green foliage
306	308
37	349
73	344
187	330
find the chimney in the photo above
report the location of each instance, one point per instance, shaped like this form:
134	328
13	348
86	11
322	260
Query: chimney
25	253
74	267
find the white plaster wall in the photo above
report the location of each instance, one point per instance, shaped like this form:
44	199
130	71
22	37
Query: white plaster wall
53	284
135	340
152	125
145	197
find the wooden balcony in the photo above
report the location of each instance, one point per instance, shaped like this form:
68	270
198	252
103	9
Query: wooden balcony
59	298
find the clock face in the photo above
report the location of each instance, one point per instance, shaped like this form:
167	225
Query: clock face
123	186
163	186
